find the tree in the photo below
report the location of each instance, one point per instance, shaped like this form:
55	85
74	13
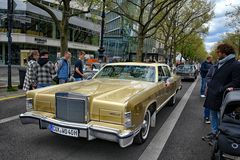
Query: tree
193	48
185	19
234	17
62	25
146	15
232	39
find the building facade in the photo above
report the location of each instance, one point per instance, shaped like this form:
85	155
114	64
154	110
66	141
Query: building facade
33	28
121	41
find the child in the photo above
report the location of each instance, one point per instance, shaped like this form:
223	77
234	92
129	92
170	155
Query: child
236	113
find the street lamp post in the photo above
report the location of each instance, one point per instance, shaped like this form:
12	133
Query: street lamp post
101	48
9	16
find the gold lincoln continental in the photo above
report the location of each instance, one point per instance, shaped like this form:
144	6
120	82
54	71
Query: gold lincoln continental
118	104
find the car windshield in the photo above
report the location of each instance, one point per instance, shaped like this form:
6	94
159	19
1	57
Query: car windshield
185	68
141	73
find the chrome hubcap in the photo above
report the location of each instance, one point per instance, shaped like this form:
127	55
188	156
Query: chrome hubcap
145	125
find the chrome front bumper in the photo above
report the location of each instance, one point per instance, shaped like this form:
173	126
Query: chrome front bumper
89	131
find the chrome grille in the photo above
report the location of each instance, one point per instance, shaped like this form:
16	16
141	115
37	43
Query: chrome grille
72	107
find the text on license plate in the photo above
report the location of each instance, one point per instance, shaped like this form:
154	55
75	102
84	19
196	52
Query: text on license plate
64	131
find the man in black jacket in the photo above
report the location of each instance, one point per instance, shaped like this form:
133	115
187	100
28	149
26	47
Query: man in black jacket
226	76
205	66
78	68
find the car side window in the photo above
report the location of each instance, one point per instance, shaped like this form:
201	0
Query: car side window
166	71
160	73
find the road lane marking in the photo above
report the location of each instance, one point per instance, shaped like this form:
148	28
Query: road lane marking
154	149
4	120
12	97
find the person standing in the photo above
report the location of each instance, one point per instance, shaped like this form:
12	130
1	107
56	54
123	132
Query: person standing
78	68
45	70
206	112
225	77
30	78
64	68
205	66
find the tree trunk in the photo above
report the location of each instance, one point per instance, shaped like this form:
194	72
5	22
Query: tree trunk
165	51
139	53
64	33
174	53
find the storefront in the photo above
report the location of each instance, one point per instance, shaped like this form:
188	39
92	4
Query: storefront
34	29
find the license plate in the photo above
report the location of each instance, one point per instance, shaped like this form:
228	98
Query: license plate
64	131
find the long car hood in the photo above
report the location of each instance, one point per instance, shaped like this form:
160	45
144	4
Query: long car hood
105	89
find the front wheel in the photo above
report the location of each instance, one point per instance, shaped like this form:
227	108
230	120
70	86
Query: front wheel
143	134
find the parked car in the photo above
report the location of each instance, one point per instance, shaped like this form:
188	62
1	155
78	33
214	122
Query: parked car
91	69
187	71
119	104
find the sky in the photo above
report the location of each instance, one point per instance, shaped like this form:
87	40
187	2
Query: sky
217	26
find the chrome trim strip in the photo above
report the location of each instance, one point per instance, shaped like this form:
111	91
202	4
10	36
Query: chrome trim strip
164	103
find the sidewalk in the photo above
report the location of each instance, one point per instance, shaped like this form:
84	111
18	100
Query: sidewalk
4	94
4	76
4	81
185	141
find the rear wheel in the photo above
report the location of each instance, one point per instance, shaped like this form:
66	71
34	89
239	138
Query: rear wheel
143	134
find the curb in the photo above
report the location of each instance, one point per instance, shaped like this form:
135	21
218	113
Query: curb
2	87
12	97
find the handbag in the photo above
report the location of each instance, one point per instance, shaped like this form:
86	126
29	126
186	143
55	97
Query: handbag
56	79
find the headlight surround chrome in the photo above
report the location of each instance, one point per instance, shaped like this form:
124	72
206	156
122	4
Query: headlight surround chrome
29	104
128	119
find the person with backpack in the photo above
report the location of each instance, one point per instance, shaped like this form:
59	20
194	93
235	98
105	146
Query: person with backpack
45	70
64	68
78	68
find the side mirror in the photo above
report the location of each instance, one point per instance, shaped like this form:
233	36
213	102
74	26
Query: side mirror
163	78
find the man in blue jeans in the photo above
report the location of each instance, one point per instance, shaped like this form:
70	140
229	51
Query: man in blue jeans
64	68
205	66
209	76
225	76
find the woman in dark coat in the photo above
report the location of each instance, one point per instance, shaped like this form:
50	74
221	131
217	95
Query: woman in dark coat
226	75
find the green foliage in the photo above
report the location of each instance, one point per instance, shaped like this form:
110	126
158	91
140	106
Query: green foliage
234	17
193	48
232	39
183	21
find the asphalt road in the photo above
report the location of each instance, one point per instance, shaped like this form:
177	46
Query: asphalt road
23	142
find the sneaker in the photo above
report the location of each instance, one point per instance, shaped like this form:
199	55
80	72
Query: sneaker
207	121
212	142
203	96
209	137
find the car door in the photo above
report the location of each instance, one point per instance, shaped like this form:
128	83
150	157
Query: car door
170	90
161	95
